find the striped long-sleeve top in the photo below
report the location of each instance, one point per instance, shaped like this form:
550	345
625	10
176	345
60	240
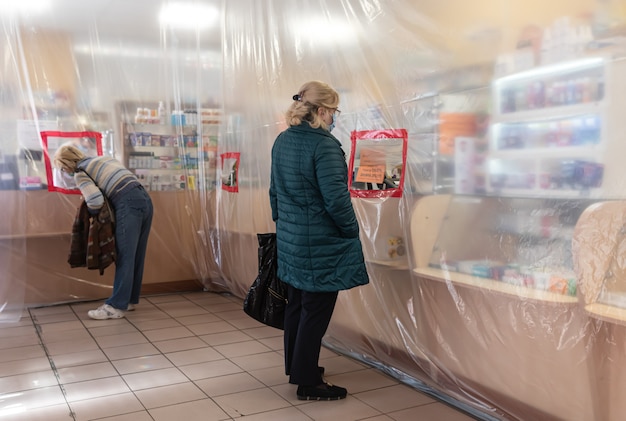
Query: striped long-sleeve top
109	175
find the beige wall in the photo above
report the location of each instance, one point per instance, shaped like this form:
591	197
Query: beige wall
495	25
50	61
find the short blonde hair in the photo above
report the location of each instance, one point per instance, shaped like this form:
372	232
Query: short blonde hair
67	157
311	96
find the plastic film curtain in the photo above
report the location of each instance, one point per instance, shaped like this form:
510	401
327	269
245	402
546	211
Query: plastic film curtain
12	247
485	142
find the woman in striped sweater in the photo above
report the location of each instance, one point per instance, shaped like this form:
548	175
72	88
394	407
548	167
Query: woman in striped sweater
133	211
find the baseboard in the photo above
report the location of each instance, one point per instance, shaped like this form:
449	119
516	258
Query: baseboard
190	285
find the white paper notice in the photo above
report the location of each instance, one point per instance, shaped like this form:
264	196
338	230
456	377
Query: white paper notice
28	132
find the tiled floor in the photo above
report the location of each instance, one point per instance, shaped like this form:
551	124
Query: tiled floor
179	357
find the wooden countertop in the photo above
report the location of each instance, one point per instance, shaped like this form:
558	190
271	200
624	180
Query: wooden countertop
491	285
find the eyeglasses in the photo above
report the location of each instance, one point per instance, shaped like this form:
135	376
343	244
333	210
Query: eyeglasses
336	111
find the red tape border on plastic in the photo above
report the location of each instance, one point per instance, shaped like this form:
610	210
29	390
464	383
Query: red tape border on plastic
48	162
356	136
236	156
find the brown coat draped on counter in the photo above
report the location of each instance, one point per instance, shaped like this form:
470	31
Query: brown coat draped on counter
93	240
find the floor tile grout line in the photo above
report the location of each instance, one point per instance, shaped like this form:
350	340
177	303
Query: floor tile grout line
272	387
265	386
149	341
111	362
53	366
232	362
386	412
244	370
174	364
162	353
121	376
406	380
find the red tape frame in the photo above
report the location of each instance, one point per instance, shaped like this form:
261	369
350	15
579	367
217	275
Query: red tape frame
355	136
231	155
71	135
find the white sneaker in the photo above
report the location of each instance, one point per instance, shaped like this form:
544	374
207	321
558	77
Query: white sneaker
104	312
131	307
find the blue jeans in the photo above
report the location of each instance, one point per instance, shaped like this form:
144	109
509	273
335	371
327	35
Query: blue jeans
133	219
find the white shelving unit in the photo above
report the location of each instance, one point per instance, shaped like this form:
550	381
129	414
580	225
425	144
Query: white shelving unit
555	131
167	157
173	153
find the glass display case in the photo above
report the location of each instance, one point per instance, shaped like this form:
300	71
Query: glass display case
519	246
436	123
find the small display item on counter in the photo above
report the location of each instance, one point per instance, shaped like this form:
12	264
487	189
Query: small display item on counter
395	247
480	268
557	280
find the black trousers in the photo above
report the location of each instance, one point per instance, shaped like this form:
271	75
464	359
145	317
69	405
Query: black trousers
307	316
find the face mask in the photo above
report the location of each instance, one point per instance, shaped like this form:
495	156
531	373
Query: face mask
68	180
331	126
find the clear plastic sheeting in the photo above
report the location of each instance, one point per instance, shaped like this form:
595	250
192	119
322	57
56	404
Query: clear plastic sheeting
485	141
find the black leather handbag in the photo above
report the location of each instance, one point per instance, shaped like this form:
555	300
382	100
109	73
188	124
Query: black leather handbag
267	297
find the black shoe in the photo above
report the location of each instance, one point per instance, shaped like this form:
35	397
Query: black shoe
323	392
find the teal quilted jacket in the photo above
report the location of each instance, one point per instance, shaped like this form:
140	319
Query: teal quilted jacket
317	232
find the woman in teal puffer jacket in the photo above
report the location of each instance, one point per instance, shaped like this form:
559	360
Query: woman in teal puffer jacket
319	251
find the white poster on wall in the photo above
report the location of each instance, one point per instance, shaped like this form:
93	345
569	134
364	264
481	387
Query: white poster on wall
28	132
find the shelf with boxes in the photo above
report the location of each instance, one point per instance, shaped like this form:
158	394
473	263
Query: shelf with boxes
553	131
170	146
172	157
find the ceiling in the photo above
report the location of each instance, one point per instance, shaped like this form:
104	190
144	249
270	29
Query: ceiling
137	21
115	22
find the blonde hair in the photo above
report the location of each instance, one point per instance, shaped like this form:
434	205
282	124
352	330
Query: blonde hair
67	157
311	96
